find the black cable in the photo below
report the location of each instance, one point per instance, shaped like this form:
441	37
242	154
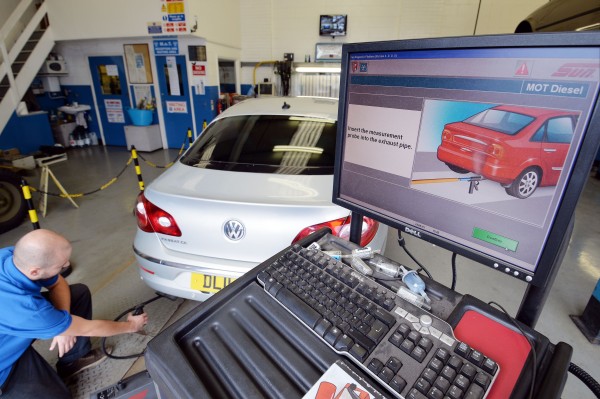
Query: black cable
453	285
587	379
402	243
533	352
133	309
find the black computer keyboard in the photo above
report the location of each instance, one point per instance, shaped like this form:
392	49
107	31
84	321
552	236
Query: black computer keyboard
411	352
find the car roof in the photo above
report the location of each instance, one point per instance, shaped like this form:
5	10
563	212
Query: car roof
315	107
535	112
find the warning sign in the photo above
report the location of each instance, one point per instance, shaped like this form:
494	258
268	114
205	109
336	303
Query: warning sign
198	69
523	69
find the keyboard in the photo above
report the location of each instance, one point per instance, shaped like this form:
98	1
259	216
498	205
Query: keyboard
409	351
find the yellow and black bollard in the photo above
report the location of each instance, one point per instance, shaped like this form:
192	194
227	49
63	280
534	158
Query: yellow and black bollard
204	124
190	136
138	170
32	213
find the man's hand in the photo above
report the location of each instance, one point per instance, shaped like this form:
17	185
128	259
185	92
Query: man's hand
64	343
137	322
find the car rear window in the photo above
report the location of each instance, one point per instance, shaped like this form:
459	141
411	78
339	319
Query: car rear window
501	121
266	144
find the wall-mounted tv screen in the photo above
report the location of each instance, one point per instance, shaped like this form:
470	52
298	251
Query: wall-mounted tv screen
333	25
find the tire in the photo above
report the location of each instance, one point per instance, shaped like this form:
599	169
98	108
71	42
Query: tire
456	169
525	184
12	204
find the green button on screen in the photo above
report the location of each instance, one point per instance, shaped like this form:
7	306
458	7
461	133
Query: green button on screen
495	239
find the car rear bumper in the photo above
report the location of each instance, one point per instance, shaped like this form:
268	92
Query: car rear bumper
477	163
172	273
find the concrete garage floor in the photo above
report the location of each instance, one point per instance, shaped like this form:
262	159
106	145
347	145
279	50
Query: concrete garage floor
103	227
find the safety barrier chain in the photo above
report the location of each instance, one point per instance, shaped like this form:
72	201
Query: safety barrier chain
188	138
104	186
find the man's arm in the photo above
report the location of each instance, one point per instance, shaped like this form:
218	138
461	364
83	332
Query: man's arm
105	328
96	328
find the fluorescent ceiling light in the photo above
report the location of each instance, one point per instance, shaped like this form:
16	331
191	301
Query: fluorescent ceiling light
316	69
297	148
307	119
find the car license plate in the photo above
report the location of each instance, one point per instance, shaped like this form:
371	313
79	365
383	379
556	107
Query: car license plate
209	283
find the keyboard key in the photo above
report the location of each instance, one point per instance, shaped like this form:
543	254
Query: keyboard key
482	380
476	357
422	385
429	375
455	362
448	373
396	339
443	354
377	331
418	354
343	343
462	382
435	393
394	364
474	392
414	336
359	353
462	349
415	394
468	371
407	346
397	383
332	335
403	329
304	312
322	327
384	316
375	365
426	344
436	365
386	375
360	339
454	392
490	366
442	384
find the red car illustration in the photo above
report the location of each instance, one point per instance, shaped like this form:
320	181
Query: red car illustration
519	147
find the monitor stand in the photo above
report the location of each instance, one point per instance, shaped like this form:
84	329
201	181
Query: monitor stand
534	298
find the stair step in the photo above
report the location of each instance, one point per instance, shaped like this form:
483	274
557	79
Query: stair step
36	35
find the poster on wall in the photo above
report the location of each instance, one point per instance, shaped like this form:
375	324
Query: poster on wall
199	77
173	16
173	76
112	70
137	57
176	107
114	111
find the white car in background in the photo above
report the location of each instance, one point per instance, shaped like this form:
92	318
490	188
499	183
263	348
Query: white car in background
259	178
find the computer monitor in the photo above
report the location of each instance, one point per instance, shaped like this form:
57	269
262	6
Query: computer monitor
333	25
481	145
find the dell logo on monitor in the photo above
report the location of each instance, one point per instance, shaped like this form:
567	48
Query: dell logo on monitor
412	231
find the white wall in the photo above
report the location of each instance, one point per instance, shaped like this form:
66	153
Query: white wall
273	27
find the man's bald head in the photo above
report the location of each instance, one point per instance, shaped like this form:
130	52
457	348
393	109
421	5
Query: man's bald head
42	254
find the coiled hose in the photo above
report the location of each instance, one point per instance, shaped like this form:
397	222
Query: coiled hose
587	379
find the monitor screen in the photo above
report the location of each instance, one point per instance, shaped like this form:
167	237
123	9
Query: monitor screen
481	145
333	25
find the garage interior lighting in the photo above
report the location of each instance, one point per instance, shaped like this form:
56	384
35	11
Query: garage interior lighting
305	119
297	148
318	69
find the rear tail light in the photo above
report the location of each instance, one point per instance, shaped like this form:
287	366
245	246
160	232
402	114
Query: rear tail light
341	228
152	219
446	135
496	150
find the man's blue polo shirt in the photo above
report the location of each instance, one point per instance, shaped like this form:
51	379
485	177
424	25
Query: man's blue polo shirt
24	313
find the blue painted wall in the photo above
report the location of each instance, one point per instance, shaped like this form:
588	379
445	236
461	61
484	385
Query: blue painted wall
202	106
27	133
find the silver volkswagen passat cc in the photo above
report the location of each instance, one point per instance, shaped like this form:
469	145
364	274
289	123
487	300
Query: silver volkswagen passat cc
259	178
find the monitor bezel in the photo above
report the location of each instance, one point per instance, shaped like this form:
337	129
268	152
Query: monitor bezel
551	255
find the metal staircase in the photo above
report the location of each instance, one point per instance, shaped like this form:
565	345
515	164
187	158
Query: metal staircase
25	41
